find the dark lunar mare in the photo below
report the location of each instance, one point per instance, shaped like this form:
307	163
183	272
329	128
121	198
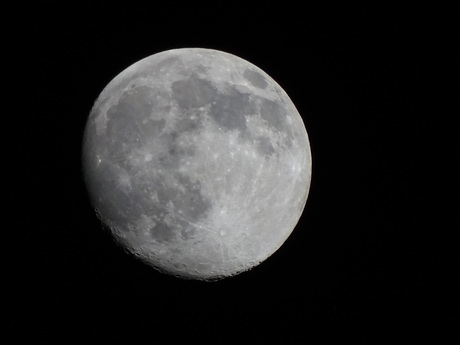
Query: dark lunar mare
129	127
232	108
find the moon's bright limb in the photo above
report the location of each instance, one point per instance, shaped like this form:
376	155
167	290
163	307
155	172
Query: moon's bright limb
198	162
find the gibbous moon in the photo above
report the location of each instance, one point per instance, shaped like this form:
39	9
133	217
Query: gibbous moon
198	162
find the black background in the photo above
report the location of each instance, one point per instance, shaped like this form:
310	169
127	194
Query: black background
373	258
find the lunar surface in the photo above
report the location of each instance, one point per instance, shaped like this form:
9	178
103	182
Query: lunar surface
198	162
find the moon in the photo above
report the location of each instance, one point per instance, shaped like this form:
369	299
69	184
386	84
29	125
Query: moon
198	162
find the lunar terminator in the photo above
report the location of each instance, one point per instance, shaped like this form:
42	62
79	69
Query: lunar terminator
198	162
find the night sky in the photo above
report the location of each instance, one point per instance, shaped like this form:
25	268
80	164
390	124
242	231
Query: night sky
373	257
